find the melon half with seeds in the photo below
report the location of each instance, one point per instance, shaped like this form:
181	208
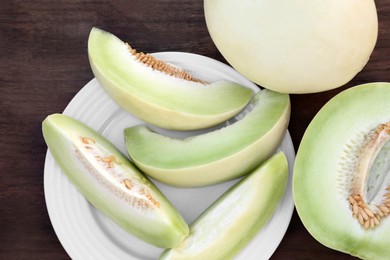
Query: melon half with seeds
109	181
160	93
341	181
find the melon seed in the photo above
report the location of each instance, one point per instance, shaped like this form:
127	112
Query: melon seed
127	183
87	140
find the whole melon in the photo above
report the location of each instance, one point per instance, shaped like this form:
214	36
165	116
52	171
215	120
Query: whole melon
294	46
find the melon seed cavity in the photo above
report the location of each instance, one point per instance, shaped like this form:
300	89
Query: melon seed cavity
162	66
131	192
366	170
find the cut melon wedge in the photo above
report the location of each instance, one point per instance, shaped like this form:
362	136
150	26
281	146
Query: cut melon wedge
111	183
217	156
159	93
229	224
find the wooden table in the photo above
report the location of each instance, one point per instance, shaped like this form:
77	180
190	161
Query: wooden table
44	63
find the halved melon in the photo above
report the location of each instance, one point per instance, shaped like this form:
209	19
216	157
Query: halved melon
341	181
229	224
217	156
111	183
159	93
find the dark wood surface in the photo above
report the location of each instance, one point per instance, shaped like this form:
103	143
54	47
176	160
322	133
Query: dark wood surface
44	63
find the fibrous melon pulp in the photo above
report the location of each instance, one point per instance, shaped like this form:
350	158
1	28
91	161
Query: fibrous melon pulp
341	180
111	183
159	93
216	156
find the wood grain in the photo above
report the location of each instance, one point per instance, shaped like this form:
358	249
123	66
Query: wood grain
44	63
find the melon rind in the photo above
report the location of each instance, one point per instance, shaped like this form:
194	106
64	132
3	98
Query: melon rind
216	156
322	206
155	97
228	225
162	226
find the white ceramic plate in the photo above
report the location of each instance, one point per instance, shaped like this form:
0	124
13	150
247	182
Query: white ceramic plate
87	234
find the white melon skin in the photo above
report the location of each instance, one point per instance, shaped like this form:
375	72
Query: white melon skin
229	224
320	202
294	46
217	156
154	96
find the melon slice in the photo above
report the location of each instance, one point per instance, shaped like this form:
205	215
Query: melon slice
341	182
216	156
159	93
111	183
229	224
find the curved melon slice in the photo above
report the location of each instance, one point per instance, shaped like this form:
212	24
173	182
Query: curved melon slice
229	224
216	156
160	93
111	183
341	181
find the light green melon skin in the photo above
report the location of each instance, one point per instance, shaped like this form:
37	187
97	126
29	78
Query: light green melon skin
157	98
255	197
216	156
164	228
323	210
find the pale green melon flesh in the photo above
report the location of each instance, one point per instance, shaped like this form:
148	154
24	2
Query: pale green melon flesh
320	186
115	187
156	97
216	156
229	224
